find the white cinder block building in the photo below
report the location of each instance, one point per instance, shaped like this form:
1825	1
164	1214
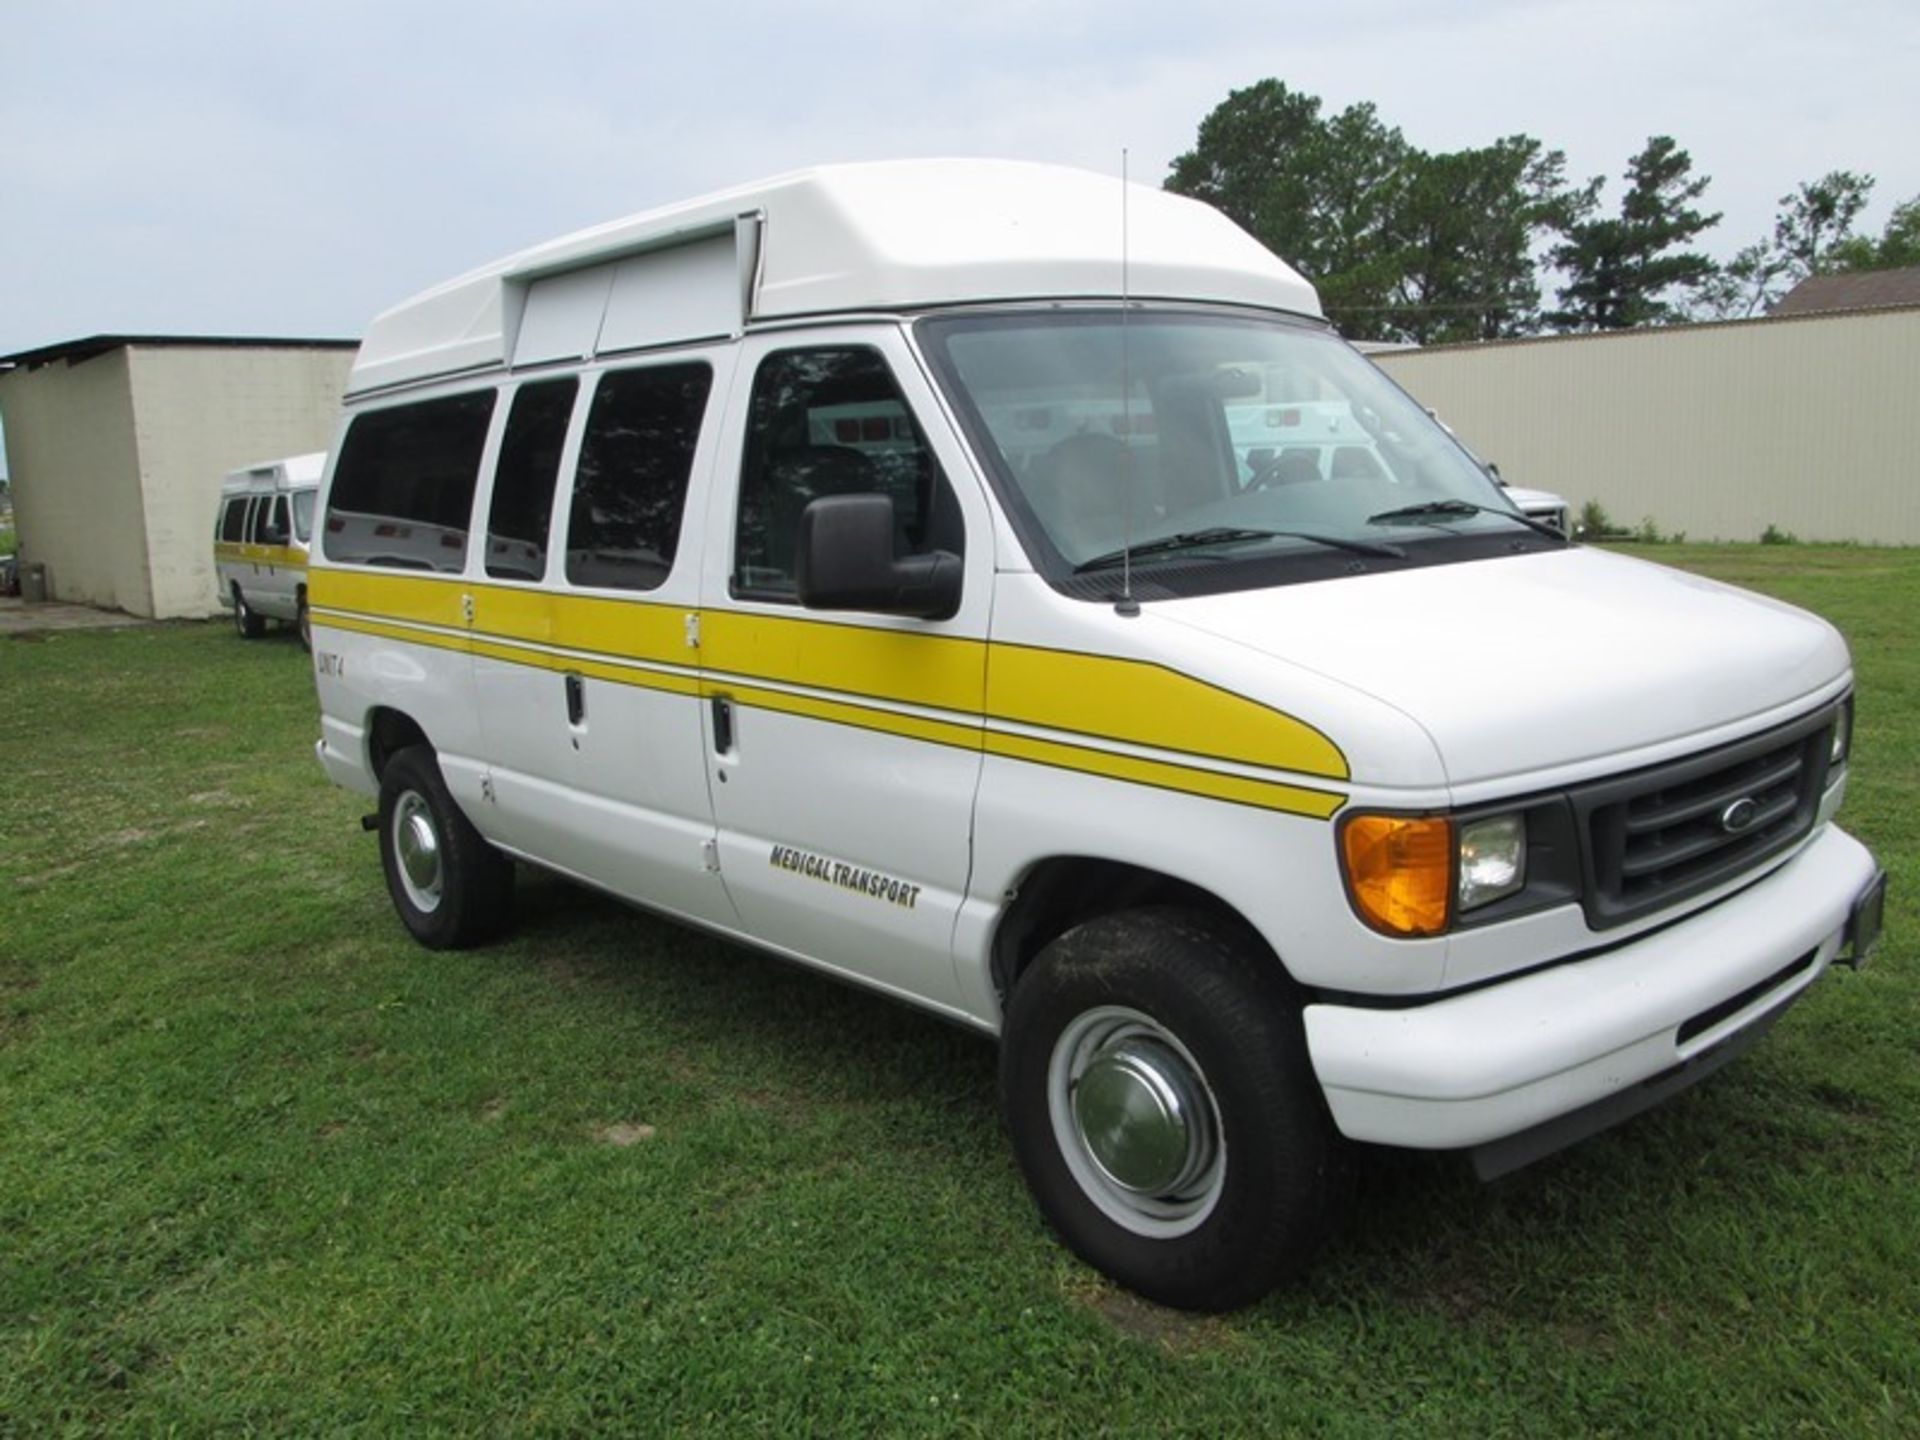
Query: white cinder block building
117	444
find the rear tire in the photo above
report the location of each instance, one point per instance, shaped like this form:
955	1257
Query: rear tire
248	625
1155	1079
451	888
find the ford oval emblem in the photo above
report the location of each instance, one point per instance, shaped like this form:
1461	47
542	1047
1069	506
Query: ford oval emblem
1740	815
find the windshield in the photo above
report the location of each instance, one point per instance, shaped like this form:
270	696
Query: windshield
1236	438
303	514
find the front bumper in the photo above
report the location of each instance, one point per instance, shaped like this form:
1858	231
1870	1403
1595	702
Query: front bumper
1515	1055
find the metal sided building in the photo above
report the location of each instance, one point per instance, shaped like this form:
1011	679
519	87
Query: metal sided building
1805	421
117	444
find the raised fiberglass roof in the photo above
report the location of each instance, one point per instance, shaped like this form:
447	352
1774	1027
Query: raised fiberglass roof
871	237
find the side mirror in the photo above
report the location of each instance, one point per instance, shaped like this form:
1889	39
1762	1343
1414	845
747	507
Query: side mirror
847	561
1494	471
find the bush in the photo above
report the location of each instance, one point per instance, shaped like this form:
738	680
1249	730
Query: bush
1774	535
1594	522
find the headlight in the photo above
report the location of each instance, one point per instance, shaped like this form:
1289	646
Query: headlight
1411	875
1493	859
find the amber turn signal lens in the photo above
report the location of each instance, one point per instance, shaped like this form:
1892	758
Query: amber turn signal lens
1400	871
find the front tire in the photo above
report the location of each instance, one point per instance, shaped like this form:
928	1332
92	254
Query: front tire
1155	1079
451	888
246	624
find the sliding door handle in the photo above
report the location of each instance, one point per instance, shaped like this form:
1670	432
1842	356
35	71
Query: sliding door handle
722	725
576	700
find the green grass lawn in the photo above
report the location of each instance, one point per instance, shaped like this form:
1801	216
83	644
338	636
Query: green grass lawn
266	1164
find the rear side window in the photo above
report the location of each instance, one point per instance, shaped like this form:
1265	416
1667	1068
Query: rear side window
233	520
832	422
523	481
630	488
403	489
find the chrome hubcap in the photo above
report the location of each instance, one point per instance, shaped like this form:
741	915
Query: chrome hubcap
416	844
1135	1122
1138	1116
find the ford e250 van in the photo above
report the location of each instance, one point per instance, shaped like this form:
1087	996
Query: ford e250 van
261	535
890	567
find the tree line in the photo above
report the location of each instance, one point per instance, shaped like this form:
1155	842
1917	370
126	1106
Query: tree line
1434	247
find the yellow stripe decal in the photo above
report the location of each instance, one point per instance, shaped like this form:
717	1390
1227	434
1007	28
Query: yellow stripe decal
283	555
936	672
1141	703
392	597
1130	702
361	625
840	712
1266	794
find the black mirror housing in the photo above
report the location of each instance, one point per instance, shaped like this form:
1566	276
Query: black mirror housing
847	560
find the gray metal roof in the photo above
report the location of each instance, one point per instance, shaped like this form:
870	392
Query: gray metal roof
74	352
1860	290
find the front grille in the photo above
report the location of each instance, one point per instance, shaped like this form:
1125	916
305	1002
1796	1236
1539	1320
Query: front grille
1660	835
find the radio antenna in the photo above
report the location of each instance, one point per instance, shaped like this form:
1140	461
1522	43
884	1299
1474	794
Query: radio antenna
1126	605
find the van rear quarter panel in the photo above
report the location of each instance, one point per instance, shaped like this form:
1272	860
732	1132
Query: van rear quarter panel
360	670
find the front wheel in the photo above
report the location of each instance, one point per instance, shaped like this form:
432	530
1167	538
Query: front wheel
451	888
1156	1083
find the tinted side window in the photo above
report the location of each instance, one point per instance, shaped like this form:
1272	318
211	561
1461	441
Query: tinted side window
832	422
280	517
631	485
233	520
257	521
523	481
403	488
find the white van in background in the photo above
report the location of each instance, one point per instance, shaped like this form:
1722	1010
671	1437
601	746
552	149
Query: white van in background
865	565
261	536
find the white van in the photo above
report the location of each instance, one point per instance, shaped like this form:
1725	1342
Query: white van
868	566
261	536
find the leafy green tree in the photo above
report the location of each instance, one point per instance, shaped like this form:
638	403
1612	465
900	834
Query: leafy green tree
1364	169
1401	244
1817	217
1745	286
1622	269
1898	245
1316	191
1812	233
1463	241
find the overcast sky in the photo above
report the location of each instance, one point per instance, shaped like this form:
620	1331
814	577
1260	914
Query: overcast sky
291	169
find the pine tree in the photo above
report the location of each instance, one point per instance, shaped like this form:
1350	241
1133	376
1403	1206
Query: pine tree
1621	269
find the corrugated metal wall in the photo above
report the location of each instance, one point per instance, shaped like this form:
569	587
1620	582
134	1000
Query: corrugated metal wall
1810	424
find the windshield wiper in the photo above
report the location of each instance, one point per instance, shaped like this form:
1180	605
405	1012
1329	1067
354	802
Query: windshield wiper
1460	509
1230	535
